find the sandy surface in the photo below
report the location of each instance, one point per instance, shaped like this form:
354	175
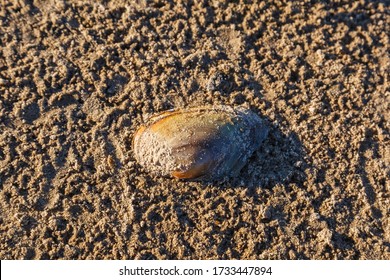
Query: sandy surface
77	78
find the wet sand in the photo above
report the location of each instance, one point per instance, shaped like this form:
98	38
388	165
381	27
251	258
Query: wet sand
77	78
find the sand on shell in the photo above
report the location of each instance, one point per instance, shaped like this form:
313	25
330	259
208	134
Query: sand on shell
78	77
206	144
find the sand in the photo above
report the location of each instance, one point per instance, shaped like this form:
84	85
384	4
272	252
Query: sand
77	78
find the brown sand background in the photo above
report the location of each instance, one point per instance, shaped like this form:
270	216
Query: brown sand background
78	77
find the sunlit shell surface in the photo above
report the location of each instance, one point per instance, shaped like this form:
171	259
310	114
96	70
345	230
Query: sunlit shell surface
205	143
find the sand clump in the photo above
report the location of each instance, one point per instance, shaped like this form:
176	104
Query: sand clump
78	77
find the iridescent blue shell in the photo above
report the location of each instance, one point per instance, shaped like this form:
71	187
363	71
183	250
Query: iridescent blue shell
207	143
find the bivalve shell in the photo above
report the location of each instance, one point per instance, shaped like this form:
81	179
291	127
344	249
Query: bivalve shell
206	143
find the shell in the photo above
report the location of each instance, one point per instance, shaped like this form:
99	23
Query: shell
207	143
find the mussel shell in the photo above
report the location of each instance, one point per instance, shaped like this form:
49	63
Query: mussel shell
206	143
